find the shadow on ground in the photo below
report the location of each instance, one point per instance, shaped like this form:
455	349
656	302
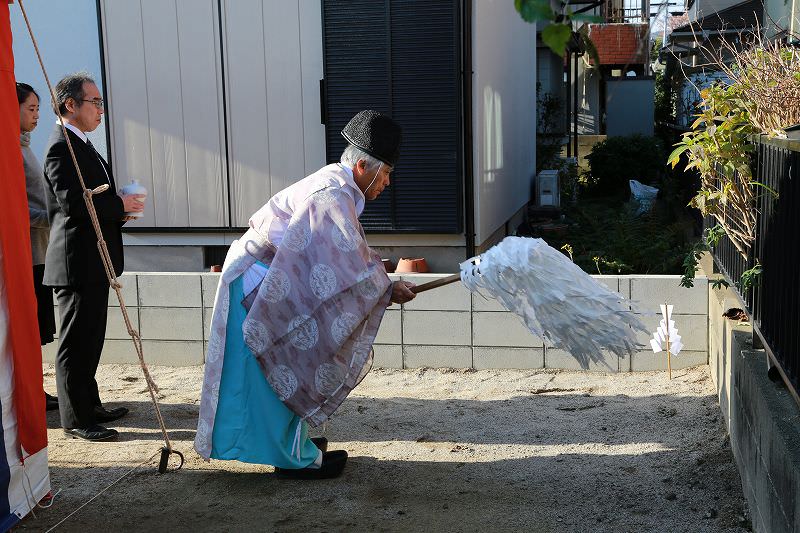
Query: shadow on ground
538	461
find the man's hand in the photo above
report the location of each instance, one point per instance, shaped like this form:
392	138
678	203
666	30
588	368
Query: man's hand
132	203
401	292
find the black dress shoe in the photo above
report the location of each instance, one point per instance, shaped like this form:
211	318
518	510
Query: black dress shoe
102	415
321	443
93	433
332	466
51	402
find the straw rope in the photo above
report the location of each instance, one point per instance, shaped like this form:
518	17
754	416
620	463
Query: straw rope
101	243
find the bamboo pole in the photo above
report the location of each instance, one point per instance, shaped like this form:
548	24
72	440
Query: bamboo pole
666	336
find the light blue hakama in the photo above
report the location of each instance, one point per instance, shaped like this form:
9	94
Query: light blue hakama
252	425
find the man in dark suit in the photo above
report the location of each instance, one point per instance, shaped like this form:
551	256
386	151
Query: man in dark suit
73	265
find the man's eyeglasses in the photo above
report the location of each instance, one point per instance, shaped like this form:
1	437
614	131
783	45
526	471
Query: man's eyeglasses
98	102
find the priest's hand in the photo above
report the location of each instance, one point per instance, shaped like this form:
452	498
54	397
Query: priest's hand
401	292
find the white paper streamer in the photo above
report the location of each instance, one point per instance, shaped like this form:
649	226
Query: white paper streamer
555	299
666	330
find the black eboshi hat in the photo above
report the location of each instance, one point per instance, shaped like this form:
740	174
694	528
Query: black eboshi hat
376	134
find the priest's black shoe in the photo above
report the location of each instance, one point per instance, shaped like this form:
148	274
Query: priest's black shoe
332	466
321	443
51	402
103	415
93	433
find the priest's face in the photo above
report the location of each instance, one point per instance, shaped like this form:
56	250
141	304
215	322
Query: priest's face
370	183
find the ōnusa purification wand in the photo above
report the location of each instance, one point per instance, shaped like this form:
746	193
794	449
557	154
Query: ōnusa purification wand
555	299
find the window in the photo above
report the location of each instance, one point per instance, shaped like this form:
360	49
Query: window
401	58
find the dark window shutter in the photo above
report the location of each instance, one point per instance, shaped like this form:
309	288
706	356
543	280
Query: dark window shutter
401	58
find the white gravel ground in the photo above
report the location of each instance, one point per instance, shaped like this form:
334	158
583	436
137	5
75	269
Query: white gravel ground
430	450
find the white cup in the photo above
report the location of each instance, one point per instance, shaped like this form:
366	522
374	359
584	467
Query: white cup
134	187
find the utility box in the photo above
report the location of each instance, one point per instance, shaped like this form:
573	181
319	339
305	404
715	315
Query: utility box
547	190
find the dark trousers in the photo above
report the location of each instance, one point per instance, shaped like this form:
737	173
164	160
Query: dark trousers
44	306
83	311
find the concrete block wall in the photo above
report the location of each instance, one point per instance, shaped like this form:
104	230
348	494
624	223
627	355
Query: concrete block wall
169	311
690	313
445	327
762	418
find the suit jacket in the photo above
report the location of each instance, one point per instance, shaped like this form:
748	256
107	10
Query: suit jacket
72	257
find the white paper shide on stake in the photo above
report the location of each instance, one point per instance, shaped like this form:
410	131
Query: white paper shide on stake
666	337
666	331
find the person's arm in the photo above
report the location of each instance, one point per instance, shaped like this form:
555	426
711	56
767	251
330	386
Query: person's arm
60	171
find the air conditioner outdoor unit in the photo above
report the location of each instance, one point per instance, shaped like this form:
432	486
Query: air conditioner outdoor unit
547	191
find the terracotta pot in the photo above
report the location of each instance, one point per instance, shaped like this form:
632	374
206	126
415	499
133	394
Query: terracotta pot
412	265
216	268
388	265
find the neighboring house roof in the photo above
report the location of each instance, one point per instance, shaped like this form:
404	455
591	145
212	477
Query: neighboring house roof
737	17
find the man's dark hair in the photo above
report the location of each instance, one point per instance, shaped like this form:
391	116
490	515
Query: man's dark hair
71	86
24	91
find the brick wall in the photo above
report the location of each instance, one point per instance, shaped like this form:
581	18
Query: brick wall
620	44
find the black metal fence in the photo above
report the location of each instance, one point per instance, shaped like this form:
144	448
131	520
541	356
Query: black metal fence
774	300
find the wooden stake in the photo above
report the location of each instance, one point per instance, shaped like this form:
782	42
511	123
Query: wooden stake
669	359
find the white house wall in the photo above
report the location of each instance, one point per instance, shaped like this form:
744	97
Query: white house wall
169	87
273	66
165	107
504	117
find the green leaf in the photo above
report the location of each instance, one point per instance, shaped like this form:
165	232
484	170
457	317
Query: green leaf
713	235
750	277
720	283
533	10
675	156
556	37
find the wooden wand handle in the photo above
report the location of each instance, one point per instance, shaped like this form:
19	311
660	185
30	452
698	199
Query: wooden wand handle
436	283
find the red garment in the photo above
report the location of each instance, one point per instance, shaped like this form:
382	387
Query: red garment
17	264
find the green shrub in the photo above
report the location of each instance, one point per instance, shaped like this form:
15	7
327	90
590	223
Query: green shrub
616	160
609	238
